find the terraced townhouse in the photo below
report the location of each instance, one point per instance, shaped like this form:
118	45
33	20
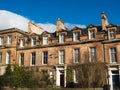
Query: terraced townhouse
53	52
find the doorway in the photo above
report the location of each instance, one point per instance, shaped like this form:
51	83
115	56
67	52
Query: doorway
62	80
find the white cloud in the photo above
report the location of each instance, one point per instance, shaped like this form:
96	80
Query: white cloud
10	20
48	27
70	25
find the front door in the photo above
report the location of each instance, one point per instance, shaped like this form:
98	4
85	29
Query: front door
115	81
62	80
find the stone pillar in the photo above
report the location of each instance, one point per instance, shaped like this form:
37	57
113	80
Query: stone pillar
65	75
110	78
57	77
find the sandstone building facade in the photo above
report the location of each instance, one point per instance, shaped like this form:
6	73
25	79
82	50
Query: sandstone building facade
54	51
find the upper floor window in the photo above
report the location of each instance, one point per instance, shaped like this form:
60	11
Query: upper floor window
45	58
1	40
22	42
76	36
0	57
45	40
61	38
92	54
61	56
111	34
22	59
9	41
113	55
76	55
91	34
33	41
7	57
33	58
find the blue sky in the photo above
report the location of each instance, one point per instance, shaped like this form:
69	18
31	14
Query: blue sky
83	12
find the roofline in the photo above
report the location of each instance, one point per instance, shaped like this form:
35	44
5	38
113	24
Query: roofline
13	30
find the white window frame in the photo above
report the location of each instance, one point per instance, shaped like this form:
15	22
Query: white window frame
76	54
113	55
1	40
21	59
92	54
75	76
33	58
7	57
76	36
61	57
111	34
91	34
61	38
33	41
22	42
45	57
0	57
9	39
45	40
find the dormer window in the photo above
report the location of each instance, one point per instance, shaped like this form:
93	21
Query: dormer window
76	36
111	34
91	34
45	40
1	40
61	38
9	39
22	43
33	41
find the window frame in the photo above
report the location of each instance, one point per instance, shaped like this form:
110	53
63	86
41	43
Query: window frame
33	41
113	54
92	34
45	57
45	40
111	34
21	59
0	57
33	58
76	36
8	57
92	54
62	57
76	55
9	39
22	42
61	38
1	40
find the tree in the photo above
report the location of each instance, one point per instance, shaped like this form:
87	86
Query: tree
18	76
91	74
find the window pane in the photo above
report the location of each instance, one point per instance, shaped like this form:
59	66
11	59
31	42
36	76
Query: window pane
7	57
92	54
61	56
61	38
1	40
0	57
9	39
45	40
33	58
91	34
76	55
22	42
113	55
76	36
45	57
33	41
22	59
111	34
